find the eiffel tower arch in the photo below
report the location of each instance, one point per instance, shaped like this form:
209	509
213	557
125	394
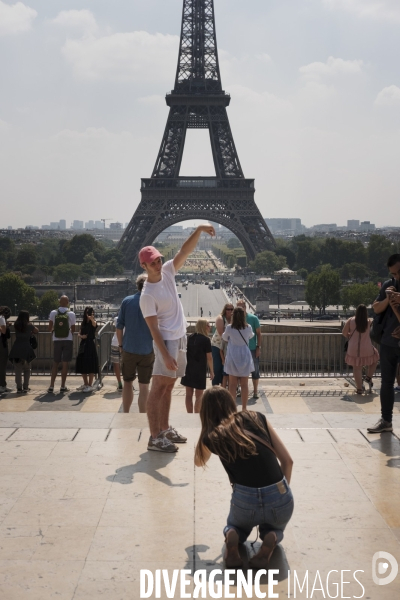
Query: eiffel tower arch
197	102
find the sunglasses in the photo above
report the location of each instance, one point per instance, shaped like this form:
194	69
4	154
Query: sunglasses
229	309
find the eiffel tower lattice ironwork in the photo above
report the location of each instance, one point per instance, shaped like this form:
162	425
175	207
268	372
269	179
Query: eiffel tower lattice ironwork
197	101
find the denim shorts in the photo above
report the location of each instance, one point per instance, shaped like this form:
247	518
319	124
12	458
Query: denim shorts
269	507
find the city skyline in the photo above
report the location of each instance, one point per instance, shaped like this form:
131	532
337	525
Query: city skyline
83	91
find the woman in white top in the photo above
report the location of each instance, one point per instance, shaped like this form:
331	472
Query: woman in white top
238	361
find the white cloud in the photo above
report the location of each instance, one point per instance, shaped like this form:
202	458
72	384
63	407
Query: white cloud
389	96
264	58
82	21
134	56
254	99
332	67
4	126
15	18
375	9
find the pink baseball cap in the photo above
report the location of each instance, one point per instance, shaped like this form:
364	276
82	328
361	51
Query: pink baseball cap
148	254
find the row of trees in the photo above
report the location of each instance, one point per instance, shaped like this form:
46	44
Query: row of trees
81	257
231	253
324	288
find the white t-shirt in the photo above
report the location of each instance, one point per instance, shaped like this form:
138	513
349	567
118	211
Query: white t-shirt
2	321
161	300
71	319
238	339
114	341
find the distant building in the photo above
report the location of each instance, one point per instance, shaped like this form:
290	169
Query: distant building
62	224
98	225
77	225
89	225
367	226
285	225
28	227
116	226
325	227
353	224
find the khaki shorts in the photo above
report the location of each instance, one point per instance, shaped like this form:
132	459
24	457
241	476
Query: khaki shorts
177	349
140	363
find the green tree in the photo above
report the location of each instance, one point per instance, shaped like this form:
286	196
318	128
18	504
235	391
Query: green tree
90	265
27	255
67	272
355	271
112	268
379	250
47	303
303	273
323	288
234	243
13	290
79	246
8	252
308	253
267	262
359	293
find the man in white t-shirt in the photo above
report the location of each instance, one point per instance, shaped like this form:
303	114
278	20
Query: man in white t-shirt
163	312
62	329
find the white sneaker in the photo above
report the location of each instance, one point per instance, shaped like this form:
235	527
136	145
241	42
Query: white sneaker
87	389
80	388
4	389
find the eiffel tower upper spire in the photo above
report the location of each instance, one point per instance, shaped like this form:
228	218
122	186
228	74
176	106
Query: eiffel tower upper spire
198	67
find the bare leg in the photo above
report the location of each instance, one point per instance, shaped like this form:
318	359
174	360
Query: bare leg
232	385
85	379
91	378
143	395
166	404
231	555
255	385
64	373
199	399
189	399
357	372
117	372
54	371
244	383
127	396
372	369
155	402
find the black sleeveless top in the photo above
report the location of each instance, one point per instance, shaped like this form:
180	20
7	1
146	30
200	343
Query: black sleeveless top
256	471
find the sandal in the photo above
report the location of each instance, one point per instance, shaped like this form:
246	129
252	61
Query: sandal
360	391
370	383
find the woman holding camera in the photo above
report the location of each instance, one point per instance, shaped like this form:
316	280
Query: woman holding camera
87	362
259	468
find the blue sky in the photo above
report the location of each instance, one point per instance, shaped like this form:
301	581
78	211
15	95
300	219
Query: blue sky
315	109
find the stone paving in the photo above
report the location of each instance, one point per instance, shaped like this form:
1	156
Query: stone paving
84	507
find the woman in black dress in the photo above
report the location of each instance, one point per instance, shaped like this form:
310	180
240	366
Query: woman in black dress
198	356
22	353
87	362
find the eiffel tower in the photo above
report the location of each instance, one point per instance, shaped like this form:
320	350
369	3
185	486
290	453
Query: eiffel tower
199	102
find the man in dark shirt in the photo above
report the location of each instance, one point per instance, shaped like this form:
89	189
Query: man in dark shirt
389	349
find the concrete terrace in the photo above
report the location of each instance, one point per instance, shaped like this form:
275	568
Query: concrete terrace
84	506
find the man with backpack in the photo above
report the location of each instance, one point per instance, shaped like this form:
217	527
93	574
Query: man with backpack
62	324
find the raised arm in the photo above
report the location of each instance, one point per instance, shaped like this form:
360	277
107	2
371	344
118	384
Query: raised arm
190	245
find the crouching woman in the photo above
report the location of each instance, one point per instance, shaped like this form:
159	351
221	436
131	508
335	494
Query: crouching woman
259	468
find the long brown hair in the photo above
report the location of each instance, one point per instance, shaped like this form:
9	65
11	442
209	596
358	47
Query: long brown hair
239	318
223	312
222	427
361	318
22	321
